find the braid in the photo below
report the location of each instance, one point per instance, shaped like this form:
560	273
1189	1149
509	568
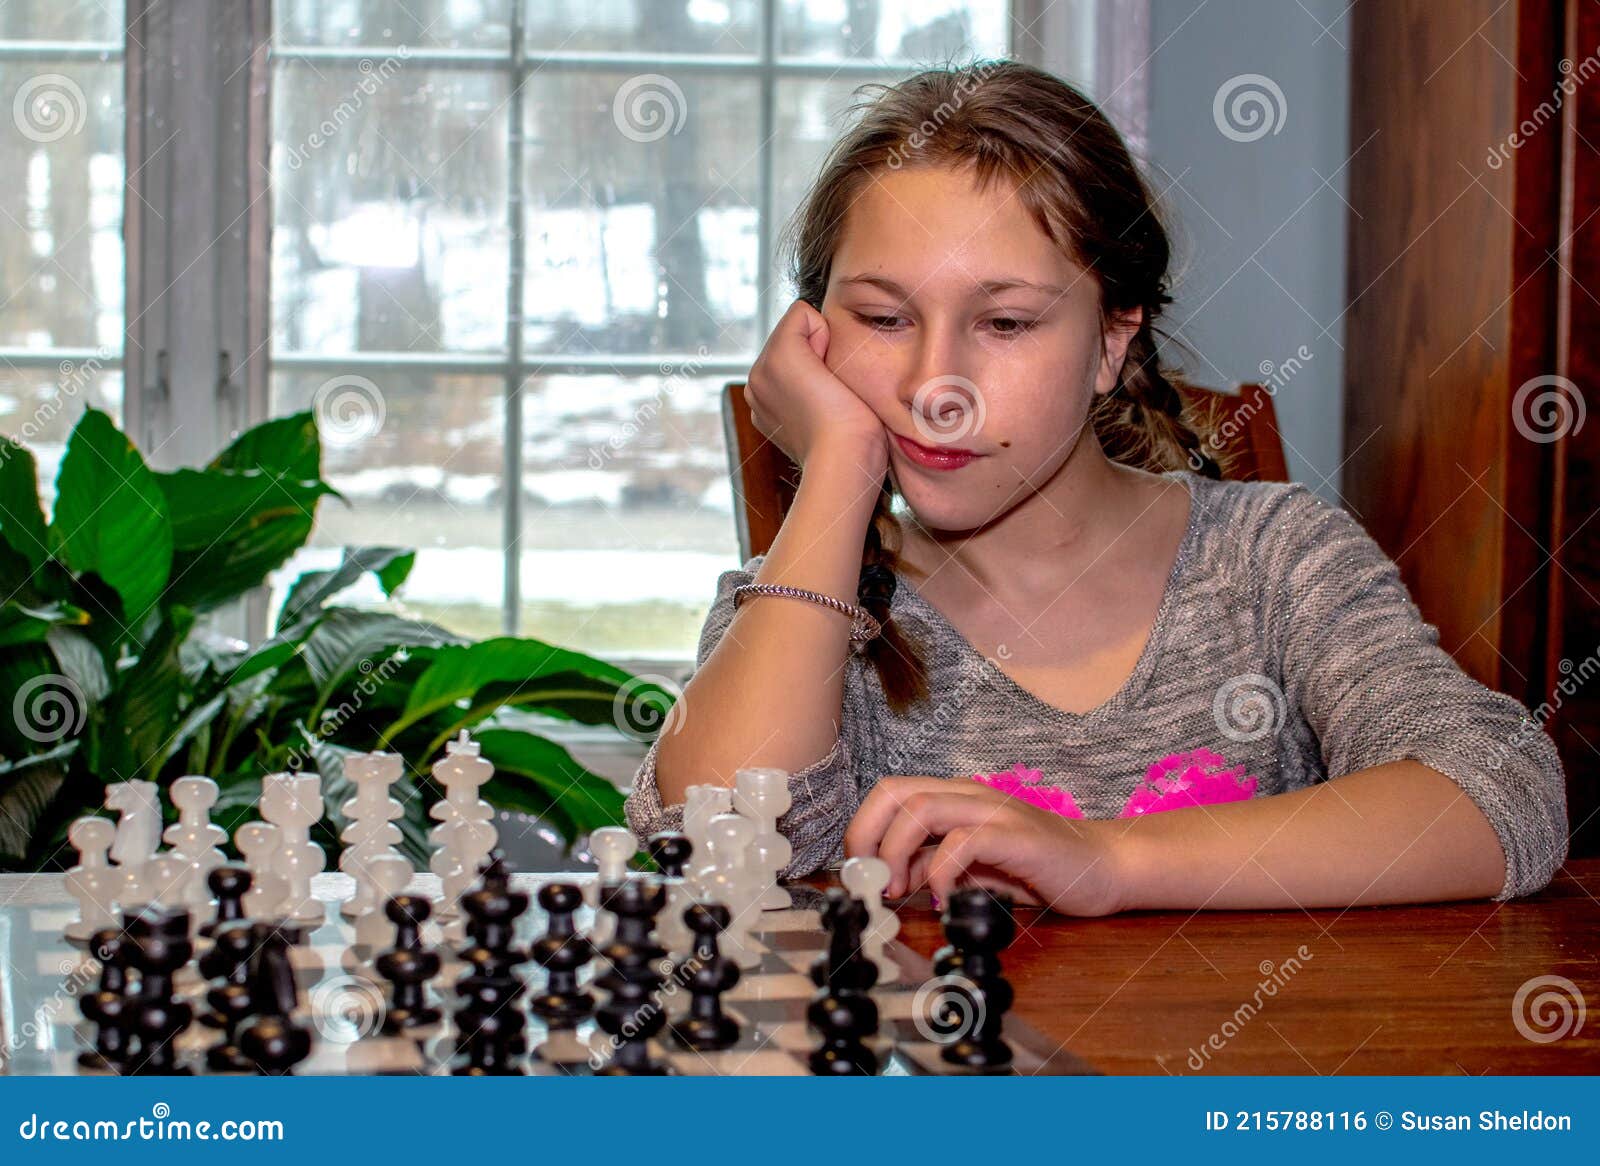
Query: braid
901	670
1141	422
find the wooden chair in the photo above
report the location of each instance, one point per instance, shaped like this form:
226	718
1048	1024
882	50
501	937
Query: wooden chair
764	479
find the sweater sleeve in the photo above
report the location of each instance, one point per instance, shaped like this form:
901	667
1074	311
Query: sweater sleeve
824	794
1367	673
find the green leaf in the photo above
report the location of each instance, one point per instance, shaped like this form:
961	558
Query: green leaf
285	446
21	519
81	662
143	714
344	637
26	789
314	588
539	777
24	624
111	516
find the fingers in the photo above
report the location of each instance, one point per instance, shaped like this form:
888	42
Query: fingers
978	875
884	802
963	849
924	816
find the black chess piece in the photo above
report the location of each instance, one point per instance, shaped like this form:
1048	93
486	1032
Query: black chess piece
633	976
231	997
273	1042
842	1012
228	884
408	965
109	1005
161	945
710	974
979	924
490	1025
671	851
843	964
562	953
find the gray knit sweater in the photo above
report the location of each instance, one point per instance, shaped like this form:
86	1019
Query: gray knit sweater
1285	644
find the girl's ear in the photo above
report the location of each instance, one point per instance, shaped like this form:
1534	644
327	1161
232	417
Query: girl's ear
1116	337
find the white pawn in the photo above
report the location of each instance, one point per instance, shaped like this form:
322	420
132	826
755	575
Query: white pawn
92	882
465	835
613	848
293	803
138	836
734	885
193	837
701	804
258	843
866	879
762	795
166	879
390	874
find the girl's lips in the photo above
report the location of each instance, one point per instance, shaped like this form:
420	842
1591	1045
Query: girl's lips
934	458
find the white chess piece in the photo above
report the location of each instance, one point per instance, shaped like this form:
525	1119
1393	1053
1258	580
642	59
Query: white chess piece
138	836
701	804
390	874
92	882
866	878
257	843
193	837
166	879
372	832
293	803
732	883
465	835
762	794
613	848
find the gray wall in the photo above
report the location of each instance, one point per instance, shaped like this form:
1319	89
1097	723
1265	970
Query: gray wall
1260	238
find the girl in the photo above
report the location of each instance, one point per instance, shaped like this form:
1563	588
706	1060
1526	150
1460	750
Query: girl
1070	594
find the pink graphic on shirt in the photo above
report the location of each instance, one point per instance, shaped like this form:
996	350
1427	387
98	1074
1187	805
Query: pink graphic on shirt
1196	778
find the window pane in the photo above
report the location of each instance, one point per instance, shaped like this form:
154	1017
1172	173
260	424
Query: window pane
40	407
902	30
642	215
62	20
61	151
389	219
481	24
627	511
677	26
418	455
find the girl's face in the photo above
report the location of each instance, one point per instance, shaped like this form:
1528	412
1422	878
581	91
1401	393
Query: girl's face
975	340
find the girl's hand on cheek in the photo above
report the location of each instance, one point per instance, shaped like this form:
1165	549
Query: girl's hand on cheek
946	833
802	407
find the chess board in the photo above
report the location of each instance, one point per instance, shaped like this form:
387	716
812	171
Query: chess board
343	999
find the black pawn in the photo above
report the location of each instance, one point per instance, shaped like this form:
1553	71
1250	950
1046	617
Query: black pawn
630	1016
670	851
710	974
407	965
490	1025
161	946
562	953
231	997
842	1012
111	1003
228	884
273	1042
979	925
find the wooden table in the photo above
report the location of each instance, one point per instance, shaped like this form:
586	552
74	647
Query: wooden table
1423	990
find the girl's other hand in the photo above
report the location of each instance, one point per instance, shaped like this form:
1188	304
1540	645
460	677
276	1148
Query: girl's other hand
945	833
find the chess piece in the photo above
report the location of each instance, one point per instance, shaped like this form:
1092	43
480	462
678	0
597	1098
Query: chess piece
293	802
465	834
258	843
227	966
92	882
701	804
166	880
562	953
671	852
710	974
842	1011
274	1042
408	966
138	836
371	832
631	1016
762	794
109	1006
732	883
490	1025
866	878
160	946
390	875
228	884
980	925
193	837
613	848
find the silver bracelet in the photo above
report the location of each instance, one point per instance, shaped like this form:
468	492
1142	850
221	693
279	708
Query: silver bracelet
864	627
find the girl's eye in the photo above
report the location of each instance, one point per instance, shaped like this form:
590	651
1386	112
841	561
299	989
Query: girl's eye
1009	326
882	323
